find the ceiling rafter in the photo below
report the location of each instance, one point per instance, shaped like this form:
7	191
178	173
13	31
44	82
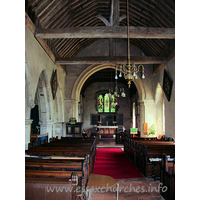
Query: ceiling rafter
45	16
51	23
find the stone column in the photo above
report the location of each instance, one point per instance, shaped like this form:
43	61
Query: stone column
28	123
142	118
46	127
75	109
150	114
71	109
58	129
63	129
68	109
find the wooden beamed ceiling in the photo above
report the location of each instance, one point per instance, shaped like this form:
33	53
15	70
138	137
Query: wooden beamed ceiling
68	27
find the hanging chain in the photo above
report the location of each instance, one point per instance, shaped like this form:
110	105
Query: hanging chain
128	34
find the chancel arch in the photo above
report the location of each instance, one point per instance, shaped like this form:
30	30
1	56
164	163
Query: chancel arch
87	73
75	96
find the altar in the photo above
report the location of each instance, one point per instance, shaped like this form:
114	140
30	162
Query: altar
107	129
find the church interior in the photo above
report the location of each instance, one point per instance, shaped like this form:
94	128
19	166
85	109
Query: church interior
99	89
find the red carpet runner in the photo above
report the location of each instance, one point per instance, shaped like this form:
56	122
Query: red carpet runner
113	162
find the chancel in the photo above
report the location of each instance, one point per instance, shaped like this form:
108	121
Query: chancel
99	97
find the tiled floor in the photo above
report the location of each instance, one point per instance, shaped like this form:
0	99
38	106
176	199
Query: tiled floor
129	189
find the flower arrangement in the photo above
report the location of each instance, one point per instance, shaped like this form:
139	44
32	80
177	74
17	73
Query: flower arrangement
152	130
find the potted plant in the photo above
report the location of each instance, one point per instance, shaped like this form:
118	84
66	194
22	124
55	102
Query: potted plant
152	130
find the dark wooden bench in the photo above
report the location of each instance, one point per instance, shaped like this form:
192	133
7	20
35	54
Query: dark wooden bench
68	148
153	150
119	137
37	140
51	188
131	144
139	151
167	177
60	168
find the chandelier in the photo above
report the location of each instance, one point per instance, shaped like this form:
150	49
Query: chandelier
129	70
117	93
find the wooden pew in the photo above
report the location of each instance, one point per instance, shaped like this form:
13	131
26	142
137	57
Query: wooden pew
168	177
154	151
76	147
58	160
131	145
37	140
51	188
119	137
60	168
139	152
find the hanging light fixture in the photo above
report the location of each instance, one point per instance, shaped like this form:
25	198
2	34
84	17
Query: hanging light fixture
129	70
120	92
117	93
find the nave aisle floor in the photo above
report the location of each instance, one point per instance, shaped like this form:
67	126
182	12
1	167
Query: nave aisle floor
129	189
132	189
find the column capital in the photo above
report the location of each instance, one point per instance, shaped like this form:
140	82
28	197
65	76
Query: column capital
46	123
141	102
28	121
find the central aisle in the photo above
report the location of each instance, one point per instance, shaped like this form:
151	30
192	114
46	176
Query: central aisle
113	162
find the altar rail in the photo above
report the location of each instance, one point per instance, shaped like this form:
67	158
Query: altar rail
107	129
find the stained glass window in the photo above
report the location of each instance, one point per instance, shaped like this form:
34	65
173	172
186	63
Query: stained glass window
112	104
106	103
100	103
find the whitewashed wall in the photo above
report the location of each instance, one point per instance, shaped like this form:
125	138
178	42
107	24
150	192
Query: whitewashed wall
169	105
39	65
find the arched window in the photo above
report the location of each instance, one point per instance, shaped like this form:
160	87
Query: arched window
100	103
106	104
113	107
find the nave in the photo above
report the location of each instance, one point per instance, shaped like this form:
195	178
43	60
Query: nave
102	68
